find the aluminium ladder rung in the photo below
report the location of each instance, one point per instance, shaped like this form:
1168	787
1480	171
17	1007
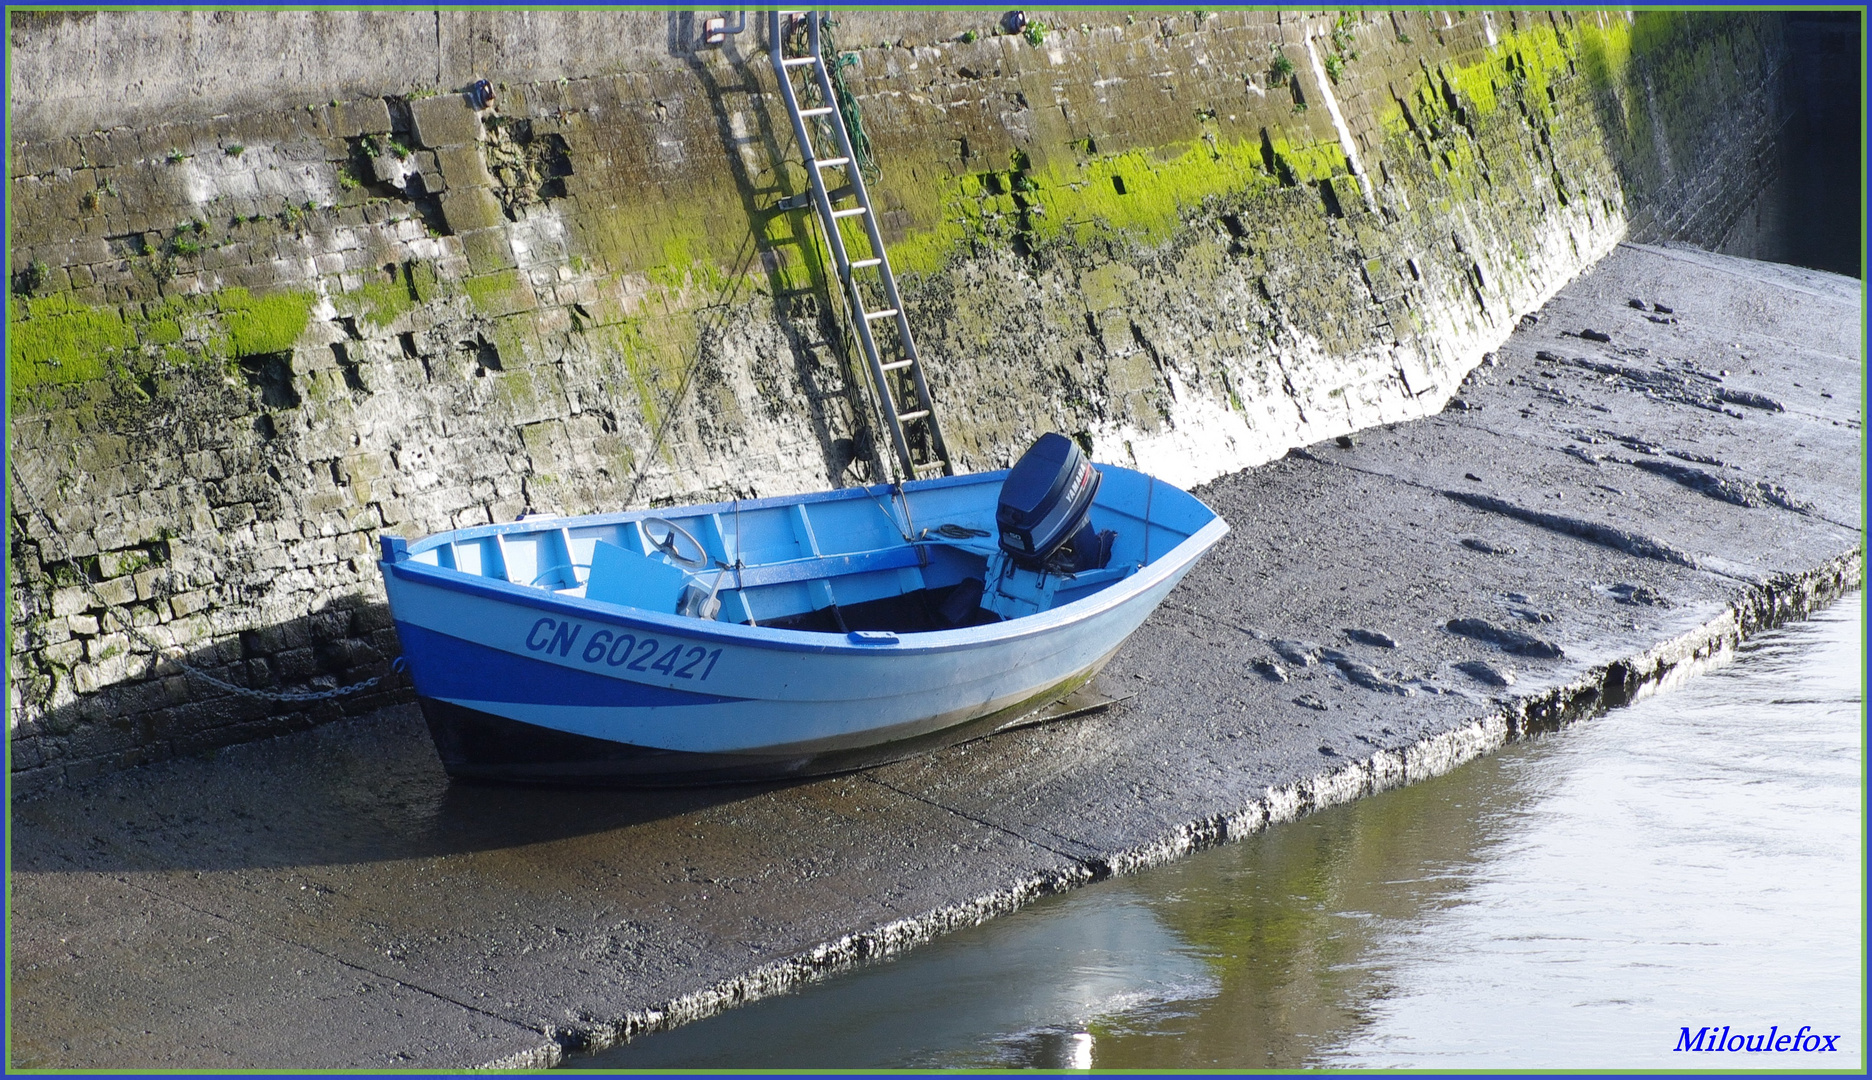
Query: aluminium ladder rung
881	313
853	212
832	162
904	418
796	61
898	366
929	466
863	264
822	110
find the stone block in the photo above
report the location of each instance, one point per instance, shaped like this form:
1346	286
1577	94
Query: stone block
65	653
100	148
113	563
488	250
234	516
70	601
445	120
32	158
27	757
297	664
204	465
89	251
390	169
186	631
469	208
370	116
427	182
106	654
463	165
338	122
277	638
253	278
116	591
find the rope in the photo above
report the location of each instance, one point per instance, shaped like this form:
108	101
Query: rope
852	115
160	650
723	304
904	496
846	102
885	510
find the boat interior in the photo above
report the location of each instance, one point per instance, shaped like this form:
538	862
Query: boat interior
909	558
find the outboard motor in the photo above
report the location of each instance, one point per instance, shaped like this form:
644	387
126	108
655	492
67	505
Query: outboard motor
1045	510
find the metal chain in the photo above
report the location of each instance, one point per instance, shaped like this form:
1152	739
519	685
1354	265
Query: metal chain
159	649
270	695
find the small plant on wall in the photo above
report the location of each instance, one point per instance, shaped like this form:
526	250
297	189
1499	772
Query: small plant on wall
1281	69
31	278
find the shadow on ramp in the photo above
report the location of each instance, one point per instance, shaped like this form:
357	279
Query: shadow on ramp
363	791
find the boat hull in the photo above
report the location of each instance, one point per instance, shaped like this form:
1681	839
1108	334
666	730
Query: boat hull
523	684
475	745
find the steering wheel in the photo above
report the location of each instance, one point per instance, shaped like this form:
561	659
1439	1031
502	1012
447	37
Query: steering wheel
667	545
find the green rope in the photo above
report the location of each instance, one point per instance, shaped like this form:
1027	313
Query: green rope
852	115
847	103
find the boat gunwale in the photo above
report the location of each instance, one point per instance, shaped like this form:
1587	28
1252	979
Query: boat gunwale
930	641
534	524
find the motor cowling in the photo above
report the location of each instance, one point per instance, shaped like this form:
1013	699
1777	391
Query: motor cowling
1045	508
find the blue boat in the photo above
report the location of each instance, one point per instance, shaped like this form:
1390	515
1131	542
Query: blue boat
786	636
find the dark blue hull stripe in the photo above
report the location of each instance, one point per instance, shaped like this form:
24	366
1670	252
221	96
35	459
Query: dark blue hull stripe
452	668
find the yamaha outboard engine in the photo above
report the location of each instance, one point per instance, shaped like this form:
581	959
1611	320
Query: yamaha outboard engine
1044	514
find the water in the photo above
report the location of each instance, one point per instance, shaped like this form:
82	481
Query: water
1692	859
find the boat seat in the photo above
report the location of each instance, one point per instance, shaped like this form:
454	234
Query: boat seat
622	576
826	566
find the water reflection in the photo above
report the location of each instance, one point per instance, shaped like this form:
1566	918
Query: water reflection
1690	859
983	997
1694	861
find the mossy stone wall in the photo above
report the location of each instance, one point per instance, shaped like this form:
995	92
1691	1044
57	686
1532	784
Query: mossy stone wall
246	337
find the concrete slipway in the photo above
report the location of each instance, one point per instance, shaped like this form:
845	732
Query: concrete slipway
331	900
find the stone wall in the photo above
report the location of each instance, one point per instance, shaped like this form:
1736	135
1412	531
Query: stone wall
277	287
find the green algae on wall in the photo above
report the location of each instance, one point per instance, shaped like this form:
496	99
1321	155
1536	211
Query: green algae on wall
378	303
651	352
263	324
1142	195
58	340
1657	85
497	293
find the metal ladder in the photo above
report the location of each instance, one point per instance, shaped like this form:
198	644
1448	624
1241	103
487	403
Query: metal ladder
863	316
